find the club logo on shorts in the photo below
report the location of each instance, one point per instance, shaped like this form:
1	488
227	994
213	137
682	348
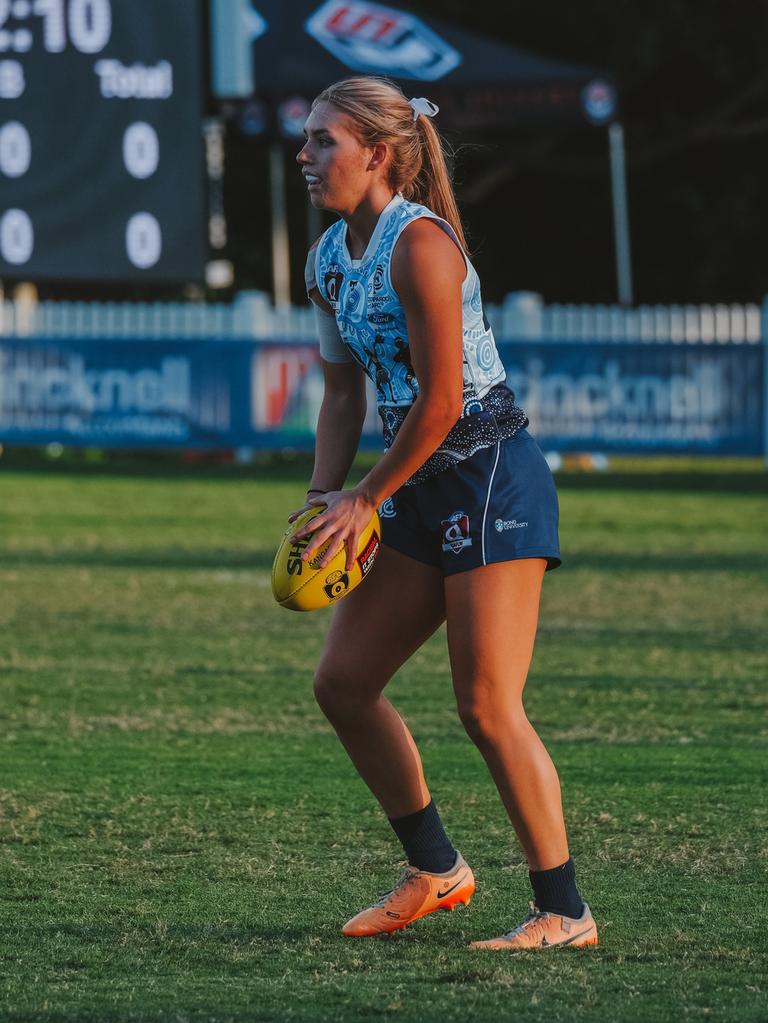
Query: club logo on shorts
456	532
387	509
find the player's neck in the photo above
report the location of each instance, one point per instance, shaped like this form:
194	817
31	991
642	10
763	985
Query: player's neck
361	222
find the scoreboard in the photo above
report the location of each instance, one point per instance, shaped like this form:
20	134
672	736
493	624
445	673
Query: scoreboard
102	173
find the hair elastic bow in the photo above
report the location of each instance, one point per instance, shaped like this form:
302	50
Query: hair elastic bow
421	105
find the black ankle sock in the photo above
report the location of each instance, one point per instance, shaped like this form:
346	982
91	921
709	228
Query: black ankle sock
424	839
555	890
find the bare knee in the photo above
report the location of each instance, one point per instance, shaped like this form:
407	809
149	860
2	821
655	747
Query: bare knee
488	720
341	692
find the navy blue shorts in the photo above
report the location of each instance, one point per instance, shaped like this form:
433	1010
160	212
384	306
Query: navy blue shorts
500	504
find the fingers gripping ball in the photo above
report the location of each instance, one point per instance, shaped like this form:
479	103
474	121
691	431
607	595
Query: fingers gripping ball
304	585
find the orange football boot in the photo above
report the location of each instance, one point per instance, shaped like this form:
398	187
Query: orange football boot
417	893
545	930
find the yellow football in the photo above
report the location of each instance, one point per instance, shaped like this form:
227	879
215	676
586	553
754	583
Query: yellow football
303	585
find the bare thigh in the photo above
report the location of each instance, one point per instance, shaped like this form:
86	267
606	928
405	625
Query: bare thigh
492	618
381	623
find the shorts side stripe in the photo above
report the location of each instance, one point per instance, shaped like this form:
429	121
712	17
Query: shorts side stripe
488	496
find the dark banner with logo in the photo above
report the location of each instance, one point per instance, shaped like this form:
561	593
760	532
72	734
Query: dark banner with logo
602	396
130	394
636	397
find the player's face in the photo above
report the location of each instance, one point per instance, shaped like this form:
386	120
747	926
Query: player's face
335	165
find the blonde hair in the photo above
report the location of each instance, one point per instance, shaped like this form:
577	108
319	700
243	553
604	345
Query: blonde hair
380	112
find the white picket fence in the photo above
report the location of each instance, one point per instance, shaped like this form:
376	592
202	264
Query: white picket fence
521	316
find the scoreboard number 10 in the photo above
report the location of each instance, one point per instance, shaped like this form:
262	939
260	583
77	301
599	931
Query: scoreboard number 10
87	24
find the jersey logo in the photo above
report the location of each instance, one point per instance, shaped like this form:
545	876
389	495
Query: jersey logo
333	281
377	281
354	301
456	532
370	37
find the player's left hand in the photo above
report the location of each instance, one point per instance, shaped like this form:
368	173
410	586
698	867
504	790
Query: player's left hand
346	515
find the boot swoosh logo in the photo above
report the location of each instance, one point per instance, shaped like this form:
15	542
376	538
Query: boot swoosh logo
442	895
581	935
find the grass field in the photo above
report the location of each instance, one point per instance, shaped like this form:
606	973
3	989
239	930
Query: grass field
182	834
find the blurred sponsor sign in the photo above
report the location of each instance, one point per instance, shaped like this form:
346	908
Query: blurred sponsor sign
381	40
599	101
602	396
291	115
133	394
636	397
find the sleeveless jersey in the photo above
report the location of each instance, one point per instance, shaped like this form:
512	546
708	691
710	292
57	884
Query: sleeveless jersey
372	326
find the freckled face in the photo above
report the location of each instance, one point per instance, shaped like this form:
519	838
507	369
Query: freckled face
333	162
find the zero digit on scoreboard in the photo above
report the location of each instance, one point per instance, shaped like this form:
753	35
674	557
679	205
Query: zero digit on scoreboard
17	237
143	240
141	150
15	149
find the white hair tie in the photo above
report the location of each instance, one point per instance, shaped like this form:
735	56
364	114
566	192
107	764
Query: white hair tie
421	105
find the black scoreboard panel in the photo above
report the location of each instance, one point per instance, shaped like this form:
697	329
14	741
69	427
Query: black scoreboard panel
101	148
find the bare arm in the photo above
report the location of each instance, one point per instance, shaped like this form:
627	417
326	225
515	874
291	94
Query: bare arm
427	272
339	424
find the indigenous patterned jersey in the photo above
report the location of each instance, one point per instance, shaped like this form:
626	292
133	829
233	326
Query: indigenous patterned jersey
372	327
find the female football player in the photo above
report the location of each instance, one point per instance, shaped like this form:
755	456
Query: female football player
468	504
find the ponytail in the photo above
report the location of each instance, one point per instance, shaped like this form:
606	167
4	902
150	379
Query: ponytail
432	186
380	112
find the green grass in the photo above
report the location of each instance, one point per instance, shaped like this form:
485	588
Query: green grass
181	834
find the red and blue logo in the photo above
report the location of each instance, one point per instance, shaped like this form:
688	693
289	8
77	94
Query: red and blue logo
456	532
380	40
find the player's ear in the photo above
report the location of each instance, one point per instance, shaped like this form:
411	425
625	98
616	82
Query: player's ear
379	155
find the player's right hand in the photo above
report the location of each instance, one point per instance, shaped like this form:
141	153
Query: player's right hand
311	502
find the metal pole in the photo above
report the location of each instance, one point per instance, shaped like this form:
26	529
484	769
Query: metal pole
281	259
235	24
620	213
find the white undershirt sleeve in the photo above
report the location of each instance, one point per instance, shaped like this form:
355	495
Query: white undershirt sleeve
332	348
309	269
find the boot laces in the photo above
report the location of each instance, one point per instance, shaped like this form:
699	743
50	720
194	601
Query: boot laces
532	924
402	883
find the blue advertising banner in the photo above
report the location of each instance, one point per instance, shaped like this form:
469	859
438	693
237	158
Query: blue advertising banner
594	396
129	394
636	397
579	395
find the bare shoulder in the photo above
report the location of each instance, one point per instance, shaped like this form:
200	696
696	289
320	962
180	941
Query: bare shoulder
425	252
426	236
